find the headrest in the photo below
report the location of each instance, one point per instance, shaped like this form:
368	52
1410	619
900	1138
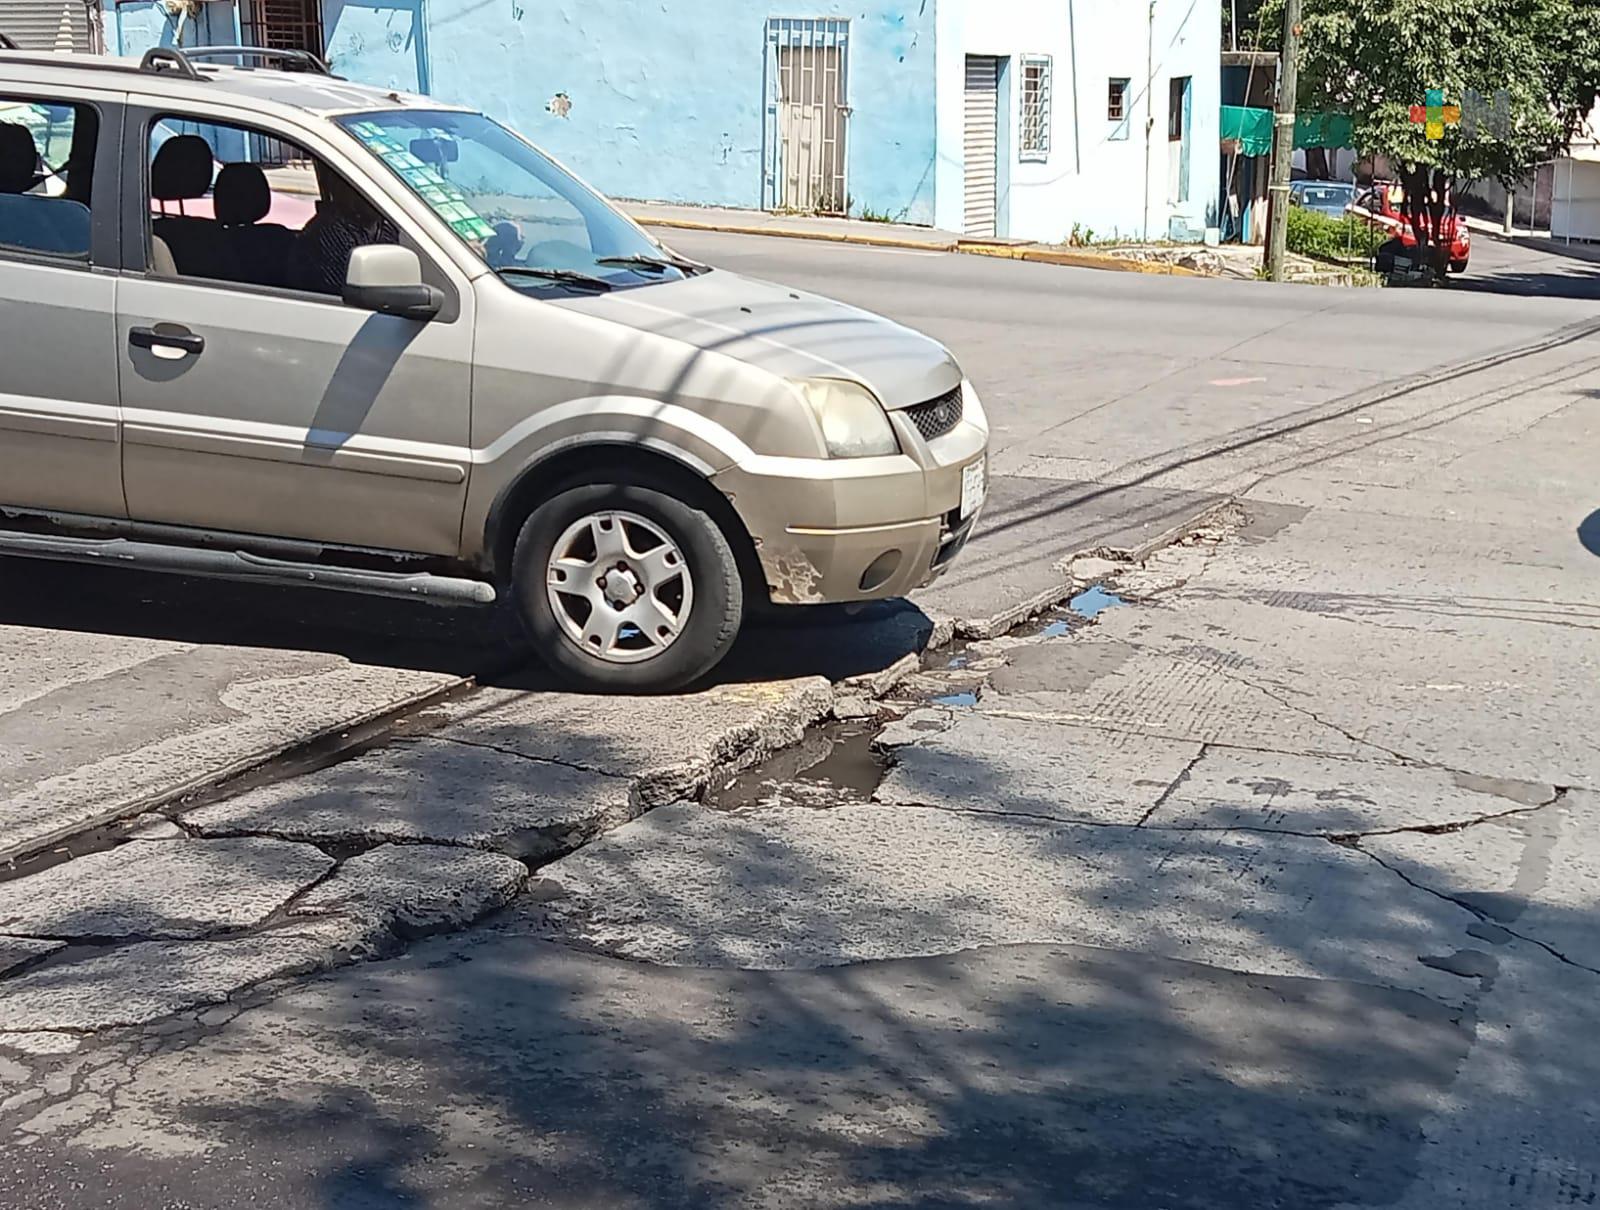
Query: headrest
182	169
19	158
241	195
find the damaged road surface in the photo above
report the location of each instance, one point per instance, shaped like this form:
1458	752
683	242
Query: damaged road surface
1260	871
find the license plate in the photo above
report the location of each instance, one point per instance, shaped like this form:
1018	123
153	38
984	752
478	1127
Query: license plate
974	482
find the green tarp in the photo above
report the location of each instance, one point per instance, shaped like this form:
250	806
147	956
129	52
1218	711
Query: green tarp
1252	128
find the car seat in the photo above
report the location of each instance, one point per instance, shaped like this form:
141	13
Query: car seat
181	172
242	199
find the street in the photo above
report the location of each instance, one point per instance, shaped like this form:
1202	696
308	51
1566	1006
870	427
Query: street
1220	832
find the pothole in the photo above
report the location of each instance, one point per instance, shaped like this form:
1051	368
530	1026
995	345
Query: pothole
834	765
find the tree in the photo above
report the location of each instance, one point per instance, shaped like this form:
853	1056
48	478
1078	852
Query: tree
1523	72
1251	34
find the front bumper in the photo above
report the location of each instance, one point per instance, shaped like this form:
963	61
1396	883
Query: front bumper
860	529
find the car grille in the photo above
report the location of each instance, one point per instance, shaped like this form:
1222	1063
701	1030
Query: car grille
938	416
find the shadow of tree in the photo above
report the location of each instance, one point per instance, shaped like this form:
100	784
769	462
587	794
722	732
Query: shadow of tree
922	1008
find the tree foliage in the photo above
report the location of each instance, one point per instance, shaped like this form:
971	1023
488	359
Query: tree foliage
1376	59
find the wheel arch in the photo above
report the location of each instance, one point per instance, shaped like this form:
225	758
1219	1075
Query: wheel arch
629	462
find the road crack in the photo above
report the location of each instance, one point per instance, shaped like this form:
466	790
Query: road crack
1172	787
1479	913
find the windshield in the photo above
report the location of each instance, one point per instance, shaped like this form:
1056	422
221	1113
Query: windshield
533	222
1327	195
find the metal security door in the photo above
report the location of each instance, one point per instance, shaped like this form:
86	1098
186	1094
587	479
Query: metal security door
982	124
49	24
808	115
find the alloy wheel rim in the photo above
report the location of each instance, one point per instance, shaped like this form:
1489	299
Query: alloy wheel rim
619	586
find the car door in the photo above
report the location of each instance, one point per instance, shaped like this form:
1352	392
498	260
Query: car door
58	256
272	409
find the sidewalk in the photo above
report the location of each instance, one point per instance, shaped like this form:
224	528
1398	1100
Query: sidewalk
885	235
1524	238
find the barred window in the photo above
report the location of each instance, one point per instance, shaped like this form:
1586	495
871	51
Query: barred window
1035	141
1117	99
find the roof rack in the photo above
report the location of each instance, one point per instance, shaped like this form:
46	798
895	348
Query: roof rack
170	60
164	58
302	58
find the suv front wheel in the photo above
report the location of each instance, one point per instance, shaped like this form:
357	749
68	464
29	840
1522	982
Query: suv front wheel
626	588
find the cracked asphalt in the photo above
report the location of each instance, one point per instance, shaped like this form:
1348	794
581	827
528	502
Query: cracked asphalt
1272	884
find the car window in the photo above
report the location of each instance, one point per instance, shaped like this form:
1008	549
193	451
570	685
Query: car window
530	219
1325	195
47	151
237	204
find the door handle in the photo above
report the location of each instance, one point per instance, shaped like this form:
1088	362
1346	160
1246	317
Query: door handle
180	339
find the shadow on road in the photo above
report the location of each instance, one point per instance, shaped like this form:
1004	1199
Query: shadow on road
1589	533
507	1069
482	642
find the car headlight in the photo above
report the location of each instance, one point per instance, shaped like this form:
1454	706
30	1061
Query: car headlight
853	422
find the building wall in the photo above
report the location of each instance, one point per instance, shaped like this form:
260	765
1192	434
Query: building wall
667	101
1093	177
658	101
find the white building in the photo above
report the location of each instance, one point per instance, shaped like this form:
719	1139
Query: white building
1126	144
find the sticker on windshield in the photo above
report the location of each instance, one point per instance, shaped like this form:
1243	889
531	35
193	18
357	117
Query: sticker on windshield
445	200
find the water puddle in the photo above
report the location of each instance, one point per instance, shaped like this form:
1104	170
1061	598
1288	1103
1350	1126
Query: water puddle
834	764
1093	601
964	700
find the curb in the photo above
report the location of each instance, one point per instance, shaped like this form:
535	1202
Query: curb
827	237
1002	251
327	743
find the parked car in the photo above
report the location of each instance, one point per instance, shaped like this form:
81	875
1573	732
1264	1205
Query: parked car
269	325
1332	198
1383	204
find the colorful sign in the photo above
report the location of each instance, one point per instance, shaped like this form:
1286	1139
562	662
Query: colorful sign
1435	115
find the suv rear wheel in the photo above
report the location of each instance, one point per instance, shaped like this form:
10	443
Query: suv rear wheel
627	588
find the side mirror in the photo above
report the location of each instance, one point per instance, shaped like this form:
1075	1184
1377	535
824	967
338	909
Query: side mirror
387	278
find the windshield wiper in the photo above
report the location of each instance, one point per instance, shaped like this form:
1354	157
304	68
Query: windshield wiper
658	263
569	277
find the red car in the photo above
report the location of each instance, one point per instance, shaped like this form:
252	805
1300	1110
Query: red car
1384	206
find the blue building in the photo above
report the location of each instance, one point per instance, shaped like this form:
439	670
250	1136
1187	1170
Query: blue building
1022	118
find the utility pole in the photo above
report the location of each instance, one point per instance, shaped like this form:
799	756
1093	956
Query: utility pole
1283	140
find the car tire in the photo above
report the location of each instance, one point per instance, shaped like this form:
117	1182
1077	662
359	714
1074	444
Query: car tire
1458	266
708	594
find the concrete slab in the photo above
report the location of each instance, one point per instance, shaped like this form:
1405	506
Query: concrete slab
113	731
791	887
1275	791
1072	773
418	889
137	984
153	888
667	747
1536	874
18	951
432	791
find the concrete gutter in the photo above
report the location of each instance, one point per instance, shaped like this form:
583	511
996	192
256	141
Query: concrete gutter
1037	253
